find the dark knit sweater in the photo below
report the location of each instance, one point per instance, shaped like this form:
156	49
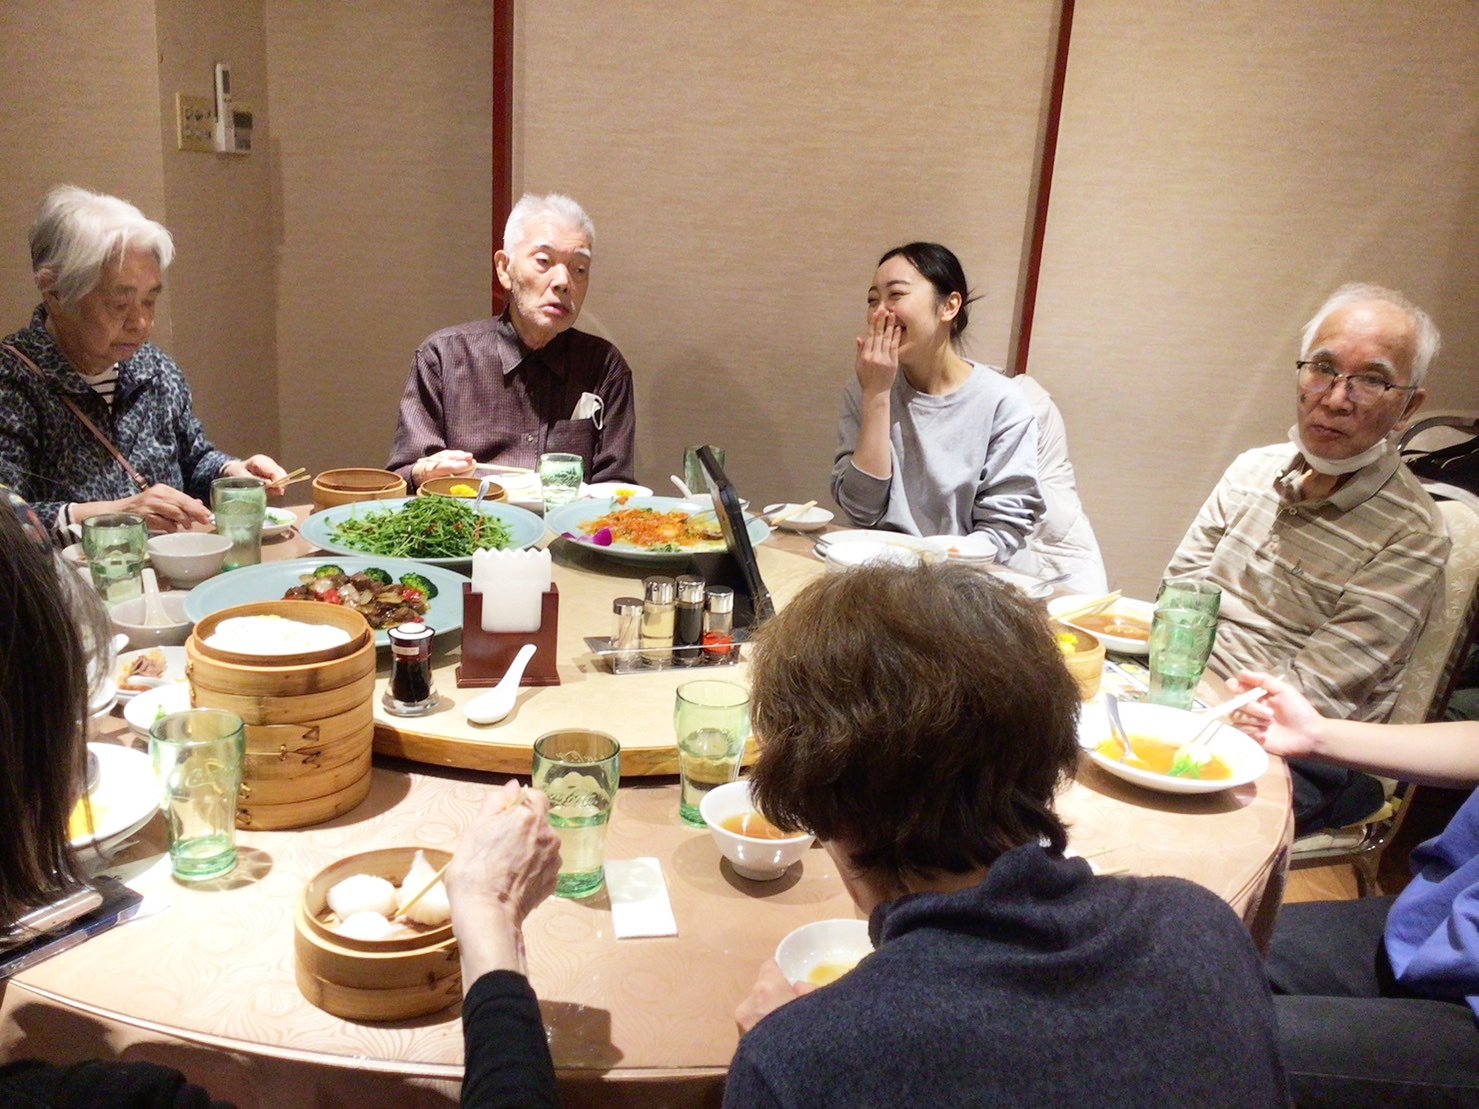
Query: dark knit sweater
1043	985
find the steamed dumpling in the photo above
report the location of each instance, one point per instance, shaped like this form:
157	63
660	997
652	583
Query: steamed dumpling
362	893
432	909
366	926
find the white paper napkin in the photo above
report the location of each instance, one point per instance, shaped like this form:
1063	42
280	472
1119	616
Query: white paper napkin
639	899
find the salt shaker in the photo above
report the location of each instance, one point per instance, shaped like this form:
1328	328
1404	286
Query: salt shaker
627	634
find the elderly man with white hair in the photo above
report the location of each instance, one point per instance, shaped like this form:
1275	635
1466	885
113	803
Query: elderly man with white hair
93	418
1328	552
507	390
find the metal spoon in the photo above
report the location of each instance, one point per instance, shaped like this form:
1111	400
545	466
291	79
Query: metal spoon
1116	728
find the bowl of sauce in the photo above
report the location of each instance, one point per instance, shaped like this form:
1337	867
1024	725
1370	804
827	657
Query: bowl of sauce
823	951
1124	627
755	848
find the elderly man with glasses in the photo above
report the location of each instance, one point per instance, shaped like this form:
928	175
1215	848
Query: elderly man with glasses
1327	550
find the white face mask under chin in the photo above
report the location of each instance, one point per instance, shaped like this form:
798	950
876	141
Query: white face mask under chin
1334	467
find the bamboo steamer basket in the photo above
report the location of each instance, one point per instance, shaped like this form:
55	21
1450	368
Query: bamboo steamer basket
1085	661
443	486
348	486
308	718
373	980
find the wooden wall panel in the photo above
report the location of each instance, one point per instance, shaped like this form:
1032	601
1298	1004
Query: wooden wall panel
745	166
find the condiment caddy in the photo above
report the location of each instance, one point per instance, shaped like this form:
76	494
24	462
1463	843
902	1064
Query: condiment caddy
676	624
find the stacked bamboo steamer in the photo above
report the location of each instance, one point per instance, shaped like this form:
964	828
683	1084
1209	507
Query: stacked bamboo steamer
308	718
393	979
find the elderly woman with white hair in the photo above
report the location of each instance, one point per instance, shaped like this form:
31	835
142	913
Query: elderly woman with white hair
93	418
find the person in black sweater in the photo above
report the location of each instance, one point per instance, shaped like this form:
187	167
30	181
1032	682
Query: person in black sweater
506	863
919	722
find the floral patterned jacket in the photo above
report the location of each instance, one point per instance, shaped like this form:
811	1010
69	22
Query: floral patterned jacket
51	460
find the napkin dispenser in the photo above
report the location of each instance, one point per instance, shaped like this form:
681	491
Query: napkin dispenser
509	602
486	656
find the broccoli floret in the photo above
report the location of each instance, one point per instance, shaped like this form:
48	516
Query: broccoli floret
377	575
329	570
416	581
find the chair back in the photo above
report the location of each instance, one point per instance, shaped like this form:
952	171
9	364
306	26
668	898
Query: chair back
1446	636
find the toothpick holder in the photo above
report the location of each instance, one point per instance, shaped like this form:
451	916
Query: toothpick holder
486	656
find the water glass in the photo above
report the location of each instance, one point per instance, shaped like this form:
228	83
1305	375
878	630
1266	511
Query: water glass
116	545
579	772
712	720
560	476
240	505
197	756
1192	593
1180	644
693	470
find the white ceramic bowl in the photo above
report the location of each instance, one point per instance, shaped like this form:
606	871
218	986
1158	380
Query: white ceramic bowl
128	617
608	490
702	502
760	860
74	555
813	519
1125	606
1245	758
187	558
822	942
144	709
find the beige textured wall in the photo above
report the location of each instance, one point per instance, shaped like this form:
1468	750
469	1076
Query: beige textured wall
219	210
380	153
1221	169
745	166
81	105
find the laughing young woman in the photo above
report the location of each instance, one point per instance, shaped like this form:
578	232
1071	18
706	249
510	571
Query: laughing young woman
930	443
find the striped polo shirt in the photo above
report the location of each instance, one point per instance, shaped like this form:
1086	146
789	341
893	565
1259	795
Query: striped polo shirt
1333	593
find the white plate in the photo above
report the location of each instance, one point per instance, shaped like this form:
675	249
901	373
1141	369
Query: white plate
279	521
1125	606
813	519
125	798
174	669
145	708
606	490
104	699
1245	758
866	535
822	941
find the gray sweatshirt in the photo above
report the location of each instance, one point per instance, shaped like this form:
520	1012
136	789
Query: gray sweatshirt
961	463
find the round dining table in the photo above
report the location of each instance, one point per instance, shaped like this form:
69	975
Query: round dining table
203	980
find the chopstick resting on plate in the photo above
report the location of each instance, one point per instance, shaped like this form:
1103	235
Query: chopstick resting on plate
789	513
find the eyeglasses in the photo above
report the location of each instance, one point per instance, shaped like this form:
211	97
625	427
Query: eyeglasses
1320	377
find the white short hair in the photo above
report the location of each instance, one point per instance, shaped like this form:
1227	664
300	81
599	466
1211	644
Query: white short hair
1425	332
556	207
77	232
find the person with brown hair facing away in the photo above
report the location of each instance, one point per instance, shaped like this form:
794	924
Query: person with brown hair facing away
920	721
